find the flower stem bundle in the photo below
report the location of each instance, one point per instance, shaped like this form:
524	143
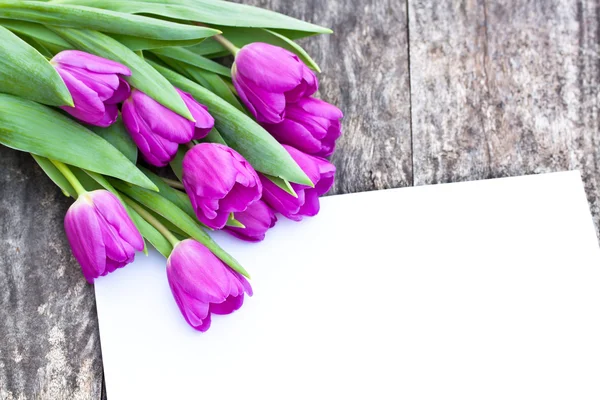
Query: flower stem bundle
126	107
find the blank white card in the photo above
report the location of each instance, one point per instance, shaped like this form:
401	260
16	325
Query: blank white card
477	290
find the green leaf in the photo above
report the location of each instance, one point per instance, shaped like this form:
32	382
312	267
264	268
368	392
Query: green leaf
214	137
75	16
243	36
189	57
209	80
37	129
213	12
176	163
117	135
26	73
179	198
143	76
168	224
242	133
231	221
43	50
36	31
150	233
85	179
282	184
140	43
177	216
55	175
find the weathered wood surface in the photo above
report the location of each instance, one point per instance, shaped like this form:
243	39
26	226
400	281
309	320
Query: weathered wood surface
503	88
49	345
494	88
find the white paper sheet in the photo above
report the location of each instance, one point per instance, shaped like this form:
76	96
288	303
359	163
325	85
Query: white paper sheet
478	290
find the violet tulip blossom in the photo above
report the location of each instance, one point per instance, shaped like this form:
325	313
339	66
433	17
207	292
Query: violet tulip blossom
268	77
204	121
310	125
101	234
95	84
202	285
219	181
257	219
321	173
156	130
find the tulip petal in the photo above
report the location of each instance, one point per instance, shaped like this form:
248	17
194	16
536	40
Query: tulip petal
160	120
198	272
204	121
268	107
88	106
201	284
103	84
110	208
311	205
219	181
121	93
281	201
307	87
90	62
111	113
85	237
268	66
257	219
156	150
295	134
230	305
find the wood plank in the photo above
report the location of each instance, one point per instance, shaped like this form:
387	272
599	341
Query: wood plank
365	73
503	88
49	344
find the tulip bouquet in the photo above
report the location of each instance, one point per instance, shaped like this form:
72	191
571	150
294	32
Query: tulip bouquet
124	107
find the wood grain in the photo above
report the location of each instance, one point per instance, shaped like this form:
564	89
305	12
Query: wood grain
503	88
49	344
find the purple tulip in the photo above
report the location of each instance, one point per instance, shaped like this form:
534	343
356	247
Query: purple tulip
204	121
268	77
95	85
257	219
156	130
202	285
321	173
219	181
102	236
311	125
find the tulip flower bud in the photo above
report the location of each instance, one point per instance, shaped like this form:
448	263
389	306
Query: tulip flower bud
156	130
268	77
310	125
204	121
95	85
321	173
257	219
202	285
101	234
219	181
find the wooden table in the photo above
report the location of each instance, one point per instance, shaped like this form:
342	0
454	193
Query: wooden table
433	91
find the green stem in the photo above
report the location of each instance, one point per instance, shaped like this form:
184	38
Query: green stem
152	220
190	145
68	174
227	44
173	183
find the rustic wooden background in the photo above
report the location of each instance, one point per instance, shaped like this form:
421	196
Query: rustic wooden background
433	91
